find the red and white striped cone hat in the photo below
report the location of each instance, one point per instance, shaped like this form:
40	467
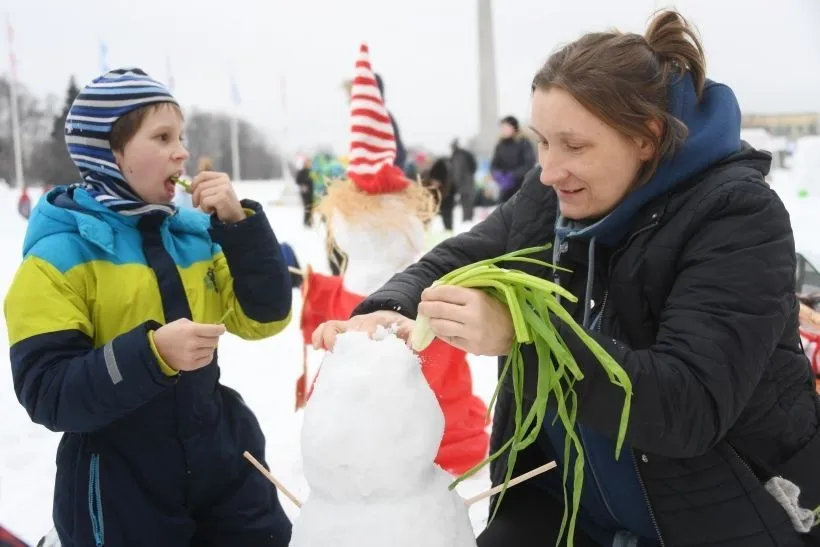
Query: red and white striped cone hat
373	142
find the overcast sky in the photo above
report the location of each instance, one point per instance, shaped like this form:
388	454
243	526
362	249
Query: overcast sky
768	51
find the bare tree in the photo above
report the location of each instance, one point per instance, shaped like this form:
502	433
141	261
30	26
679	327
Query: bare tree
35	116
46	158
208	134
50	162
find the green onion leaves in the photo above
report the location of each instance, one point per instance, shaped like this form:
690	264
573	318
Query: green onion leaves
535	310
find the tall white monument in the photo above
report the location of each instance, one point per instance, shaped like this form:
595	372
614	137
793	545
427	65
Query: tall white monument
487	86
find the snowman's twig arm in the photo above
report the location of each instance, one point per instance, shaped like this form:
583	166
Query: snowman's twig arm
517	480
271	478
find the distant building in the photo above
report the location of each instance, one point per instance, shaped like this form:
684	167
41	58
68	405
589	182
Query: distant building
791	126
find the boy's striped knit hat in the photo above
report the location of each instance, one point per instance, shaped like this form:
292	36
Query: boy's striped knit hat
373	142
88	129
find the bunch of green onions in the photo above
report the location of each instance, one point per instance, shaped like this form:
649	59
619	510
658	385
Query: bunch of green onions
533	305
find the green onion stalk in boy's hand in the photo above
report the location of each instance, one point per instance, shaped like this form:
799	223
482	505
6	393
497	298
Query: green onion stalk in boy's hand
225	315
224	203
534	310
182	182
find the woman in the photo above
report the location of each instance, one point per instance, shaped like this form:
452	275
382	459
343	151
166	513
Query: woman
683	260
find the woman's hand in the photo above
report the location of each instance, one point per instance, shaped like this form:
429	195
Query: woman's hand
468	319
324	337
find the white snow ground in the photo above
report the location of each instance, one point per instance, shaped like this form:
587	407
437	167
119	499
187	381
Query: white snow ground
264	372
804	211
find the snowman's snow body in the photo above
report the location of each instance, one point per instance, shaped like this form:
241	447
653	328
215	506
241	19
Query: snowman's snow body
371	431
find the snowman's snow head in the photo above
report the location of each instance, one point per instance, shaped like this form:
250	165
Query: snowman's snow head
372	426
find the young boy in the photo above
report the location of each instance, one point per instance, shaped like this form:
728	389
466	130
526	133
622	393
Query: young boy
114	318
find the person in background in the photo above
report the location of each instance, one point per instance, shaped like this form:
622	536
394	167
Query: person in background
205	163
463	168
411	168
401	152
304	180
24	204
437	179
512	159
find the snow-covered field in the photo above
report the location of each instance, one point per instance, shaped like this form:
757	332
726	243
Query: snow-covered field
264	372
802	199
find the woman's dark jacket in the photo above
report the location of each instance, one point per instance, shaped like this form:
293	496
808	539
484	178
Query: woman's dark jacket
701	312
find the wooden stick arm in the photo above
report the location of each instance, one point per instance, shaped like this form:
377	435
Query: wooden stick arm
470	501
517	480
271	478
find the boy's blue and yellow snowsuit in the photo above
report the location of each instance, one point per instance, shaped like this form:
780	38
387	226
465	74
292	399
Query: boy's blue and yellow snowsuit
149	457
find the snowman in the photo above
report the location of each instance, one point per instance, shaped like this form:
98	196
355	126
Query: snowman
371	431
375	217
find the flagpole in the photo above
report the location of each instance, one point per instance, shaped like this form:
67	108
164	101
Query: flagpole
487	82
169	76
15	114
15	131
283	151
103	56
237	174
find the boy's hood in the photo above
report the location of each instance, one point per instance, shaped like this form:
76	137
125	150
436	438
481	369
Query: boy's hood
92	116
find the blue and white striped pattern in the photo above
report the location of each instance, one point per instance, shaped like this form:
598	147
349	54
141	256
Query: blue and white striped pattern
88	129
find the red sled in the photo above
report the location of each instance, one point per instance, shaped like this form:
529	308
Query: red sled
24	205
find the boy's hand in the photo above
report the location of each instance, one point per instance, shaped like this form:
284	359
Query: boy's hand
185	345
214	193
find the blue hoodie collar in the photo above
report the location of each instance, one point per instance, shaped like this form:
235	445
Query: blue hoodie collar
73	209
714	133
